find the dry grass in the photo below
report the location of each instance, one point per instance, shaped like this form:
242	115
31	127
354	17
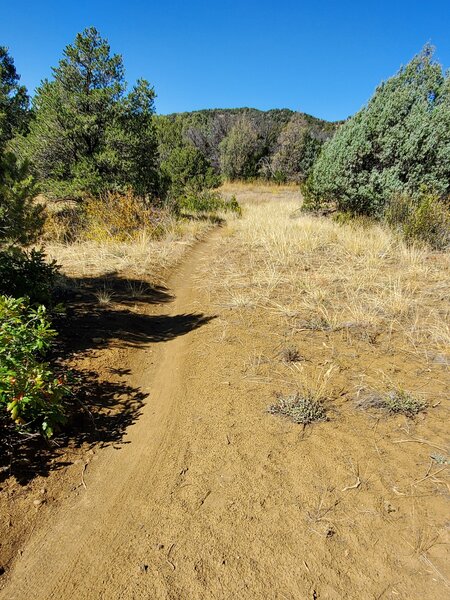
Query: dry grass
364	312
141	256
336	277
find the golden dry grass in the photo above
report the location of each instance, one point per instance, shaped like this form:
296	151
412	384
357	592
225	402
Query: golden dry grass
360	283
142	256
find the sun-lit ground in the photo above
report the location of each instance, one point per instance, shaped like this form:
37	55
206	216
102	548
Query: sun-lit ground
352	317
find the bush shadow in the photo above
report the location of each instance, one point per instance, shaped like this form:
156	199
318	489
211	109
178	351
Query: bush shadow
101	410
99	413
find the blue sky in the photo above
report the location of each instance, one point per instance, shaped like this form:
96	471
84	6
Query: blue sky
320	57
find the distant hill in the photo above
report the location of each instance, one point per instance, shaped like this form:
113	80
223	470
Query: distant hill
207	128
275	118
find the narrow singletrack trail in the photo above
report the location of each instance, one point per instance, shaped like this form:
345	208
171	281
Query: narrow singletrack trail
96	546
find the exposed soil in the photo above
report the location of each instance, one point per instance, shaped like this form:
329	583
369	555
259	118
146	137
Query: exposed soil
188	489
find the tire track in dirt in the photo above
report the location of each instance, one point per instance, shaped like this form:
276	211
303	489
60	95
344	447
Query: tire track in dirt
95	543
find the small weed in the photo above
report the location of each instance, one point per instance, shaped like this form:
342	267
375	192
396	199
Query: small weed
138	290
395	402
441	460
290	354
300	409
104	296
319	323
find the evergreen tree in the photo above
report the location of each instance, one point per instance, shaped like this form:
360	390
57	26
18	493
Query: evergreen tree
87	135
20	217
13	100
398	143
297	150
241	151
186	170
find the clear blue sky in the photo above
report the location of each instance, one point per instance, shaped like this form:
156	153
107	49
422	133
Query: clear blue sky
321	57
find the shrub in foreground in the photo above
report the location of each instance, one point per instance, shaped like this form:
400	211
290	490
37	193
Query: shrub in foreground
394	402
426	219
30	392
28	274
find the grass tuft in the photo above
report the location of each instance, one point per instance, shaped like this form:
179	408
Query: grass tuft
299	409
290	354
395	402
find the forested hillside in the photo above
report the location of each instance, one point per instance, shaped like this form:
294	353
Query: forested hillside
243	143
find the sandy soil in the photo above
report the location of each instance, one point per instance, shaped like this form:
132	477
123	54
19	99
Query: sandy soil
204	495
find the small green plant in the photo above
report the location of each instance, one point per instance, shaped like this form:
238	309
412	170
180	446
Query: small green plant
401	402
302	409
440	459
27	274
209	201
426	219
394	402
31	393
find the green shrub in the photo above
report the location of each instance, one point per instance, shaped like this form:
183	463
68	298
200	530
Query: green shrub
208	201
394	145
302	409
21	218
28	274
426	219
30	393
395	402
186	171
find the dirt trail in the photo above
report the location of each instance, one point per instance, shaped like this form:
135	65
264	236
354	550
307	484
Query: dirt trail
97	545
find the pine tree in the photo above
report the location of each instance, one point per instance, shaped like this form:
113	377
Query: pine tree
88	136
20	217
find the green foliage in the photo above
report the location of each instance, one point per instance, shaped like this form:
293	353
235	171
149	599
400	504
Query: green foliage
27	274
30	393
13	100
21	218
394	402
297	150
187	171
241	151
425	219
302	409
206	129
87	136
397	143
169	133
208	201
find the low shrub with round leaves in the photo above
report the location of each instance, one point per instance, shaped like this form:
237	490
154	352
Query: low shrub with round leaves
31	393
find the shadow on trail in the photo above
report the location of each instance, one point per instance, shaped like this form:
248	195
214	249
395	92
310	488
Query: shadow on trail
99	413
101	409
112	310
111	285
96	328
